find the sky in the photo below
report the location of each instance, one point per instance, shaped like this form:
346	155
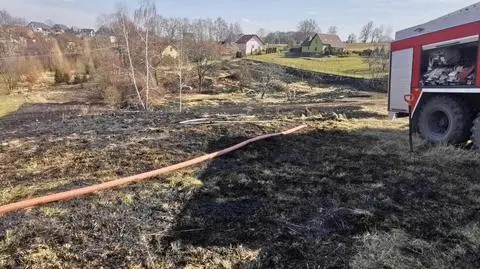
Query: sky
282	15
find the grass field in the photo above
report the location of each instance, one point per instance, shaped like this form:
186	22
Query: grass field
10	103
352	66
343	193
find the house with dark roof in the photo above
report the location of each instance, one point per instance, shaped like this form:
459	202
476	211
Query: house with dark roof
39	27
85	33
230	40
249	44
322	44
104	31
59	29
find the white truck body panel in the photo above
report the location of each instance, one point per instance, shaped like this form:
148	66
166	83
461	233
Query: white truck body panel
400	80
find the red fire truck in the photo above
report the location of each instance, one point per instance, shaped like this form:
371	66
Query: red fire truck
434	77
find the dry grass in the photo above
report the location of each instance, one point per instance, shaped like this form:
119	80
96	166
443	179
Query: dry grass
344	193
9	104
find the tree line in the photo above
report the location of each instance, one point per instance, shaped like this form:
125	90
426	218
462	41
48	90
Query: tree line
369	33
7	19
203	29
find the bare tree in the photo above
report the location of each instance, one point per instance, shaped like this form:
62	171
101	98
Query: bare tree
125	25
333	30
387	35
173	28
7	19
262	32
210	29
180	67
160	26
236	29
10	73
352	38
244	76
378	62
221	29
377	34
366	32
185	26
308	27
145	16
199	29
267	76
203	55
10	66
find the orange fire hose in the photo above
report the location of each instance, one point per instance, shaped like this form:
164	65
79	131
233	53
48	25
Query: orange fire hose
128	180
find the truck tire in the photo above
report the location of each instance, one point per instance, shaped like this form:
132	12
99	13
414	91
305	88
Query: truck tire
476	131
445	119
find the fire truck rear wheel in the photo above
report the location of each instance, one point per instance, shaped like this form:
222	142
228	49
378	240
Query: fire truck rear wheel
476	131
445	119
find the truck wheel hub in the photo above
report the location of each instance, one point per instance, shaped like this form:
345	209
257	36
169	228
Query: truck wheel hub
439	122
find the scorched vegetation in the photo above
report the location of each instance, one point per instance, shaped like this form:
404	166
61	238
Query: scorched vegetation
343	193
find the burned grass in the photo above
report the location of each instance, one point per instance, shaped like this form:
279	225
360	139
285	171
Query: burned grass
345	193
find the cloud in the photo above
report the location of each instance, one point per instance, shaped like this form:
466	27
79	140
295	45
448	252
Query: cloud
246	20
312	13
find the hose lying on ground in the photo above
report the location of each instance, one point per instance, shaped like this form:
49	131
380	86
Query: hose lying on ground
128	180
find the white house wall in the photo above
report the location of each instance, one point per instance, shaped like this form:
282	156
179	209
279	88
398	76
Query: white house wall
251	46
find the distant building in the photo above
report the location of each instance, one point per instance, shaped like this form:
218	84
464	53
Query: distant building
39	27
105	32
249	44
86	33
59	29
230	40
322	44
170	51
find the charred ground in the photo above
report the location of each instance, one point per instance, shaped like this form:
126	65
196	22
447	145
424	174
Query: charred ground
344	193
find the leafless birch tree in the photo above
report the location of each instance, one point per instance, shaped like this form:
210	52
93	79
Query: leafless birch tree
145	17
122	18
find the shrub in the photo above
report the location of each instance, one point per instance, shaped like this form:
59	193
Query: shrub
344	54
207	83
239	55
114	96
61	77
32	69
277	86
10	75
366	53
79	78
244	77
10	80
